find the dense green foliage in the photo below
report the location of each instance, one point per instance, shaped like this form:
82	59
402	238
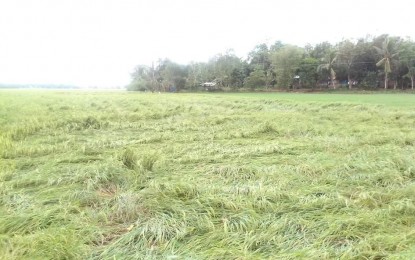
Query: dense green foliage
367	63
93	175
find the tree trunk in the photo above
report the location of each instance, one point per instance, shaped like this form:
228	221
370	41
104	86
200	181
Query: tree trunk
333	83
386	80
349	81
412	83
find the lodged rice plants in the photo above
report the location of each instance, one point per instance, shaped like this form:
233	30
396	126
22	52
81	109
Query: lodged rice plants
117	175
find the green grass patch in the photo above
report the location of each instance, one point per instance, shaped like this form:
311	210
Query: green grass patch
101	175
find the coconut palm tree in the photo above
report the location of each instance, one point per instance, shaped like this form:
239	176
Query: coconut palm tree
406	56
389	55
329	61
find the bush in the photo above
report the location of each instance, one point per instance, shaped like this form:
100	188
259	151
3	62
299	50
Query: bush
370	81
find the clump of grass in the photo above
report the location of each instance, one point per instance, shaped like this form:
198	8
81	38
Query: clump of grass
130	159
178	190
26	223
86	198
235	172
99	177
133	161
64	108
91	122
58	243
19	133
147	161
266	127
5	144
151	238
126	208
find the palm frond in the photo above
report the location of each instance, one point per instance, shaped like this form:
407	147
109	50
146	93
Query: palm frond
385	43
332	73
381	62
333	60
322	67
378	50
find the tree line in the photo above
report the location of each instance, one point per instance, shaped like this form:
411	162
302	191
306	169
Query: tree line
368	63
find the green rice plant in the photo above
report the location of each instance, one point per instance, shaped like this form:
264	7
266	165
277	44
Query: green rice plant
85	198
133	161
130	159
29	223
266	127
96	178
100	175
178	190
147	161
126	208
92	122
235	172
5	143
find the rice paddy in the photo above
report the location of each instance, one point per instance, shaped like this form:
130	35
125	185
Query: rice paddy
117	175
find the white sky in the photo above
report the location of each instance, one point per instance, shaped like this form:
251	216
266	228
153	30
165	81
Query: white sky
98	42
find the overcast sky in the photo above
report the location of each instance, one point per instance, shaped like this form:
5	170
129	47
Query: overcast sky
98	42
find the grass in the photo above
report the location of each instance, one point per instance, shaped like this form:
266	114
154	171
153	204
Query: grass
99	175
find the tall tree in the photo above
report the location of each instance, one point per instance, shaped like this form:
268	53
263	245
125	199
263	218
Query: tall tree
307	72
346	56
286	62
145	78
172	75
256	79
329	61
260	61
365	70
194	77
389	55
259	56
224	68
238	75
320	51
407	57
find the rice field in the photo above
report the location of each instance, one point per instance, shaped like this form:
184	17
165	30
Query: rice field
117	175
